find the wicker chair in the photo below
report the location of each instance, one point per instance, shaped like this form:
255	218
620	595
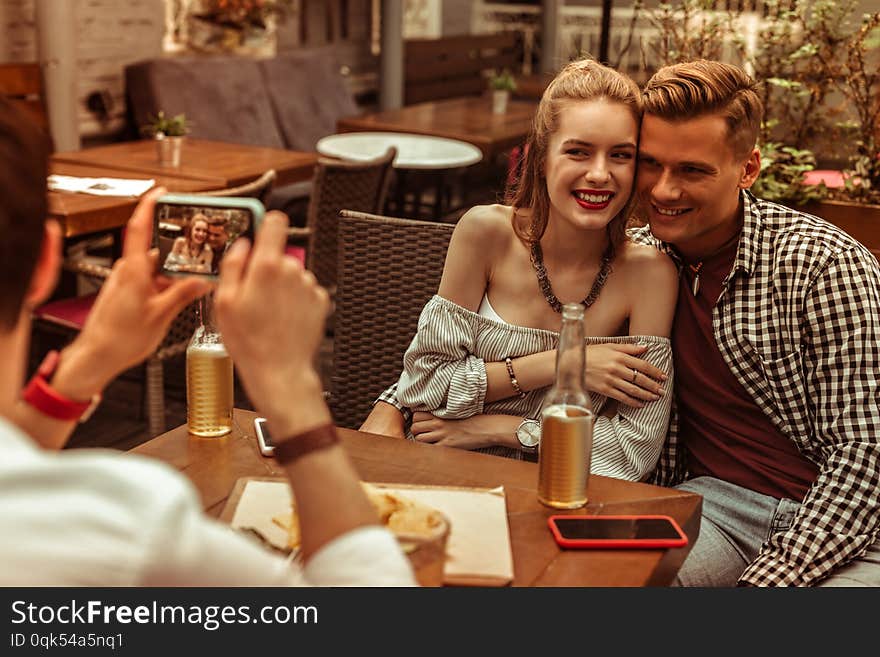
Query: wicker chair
258	188
67	316
358	186
388	269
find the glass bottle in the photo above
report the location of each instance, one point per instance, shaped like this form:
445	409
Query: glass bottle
566	446
209	386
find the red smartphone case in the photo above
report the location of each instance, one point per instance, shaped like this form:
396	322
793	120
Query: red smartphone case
616	543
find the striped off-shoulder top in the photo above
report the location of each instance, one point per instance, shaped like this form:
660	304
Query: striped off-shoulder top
445	373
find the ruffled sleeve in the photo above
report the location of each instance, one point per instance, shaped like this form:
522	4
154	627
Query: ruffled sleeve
627	445
441	374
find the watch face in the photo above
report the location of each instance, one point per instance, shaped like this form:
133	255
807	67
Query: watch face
529	433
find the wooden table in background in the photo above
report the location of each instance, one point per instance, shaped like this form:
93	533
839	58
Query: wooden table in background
467	119
83	214
232	164
532	86
215	464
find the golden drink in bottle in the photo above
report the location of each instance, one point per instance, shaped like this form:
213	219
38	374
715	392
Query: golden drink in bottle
209	382
566	446
564	456
209	390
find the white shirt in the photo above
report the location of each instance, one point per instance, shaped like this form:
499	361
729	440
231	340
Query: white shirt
92	517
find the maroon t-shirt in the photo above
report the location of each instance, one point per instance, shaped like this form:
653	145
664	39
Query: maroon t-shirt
724	432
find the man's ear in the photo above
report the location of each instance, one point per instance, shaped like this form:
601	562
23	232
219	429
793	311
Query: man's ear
45	276
750	169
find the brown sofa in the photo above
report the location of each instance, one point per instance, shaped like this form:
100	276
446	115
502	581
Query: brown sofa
288	101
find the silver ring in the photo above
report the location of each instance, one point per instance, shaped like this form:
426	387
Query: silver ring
635	374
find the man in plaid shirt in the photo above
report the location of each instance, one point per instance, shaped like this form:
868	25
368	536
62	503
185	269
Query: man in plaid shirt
775	340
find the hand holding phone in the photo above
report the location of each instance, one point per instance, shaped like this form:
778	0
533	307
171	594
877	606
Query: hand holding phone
630	531
264	438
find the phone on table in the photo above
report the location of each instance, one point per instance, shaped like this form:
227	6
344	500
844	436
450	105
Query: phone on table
624	531
264	438
193	232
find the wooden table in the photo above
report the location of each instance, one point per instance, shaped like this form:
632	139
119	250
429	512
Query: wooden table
467	119
532	86
233	164
215	464
82	214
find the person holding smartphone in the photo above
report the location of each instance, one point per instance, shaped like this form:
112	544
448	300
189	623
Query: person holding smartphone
93	517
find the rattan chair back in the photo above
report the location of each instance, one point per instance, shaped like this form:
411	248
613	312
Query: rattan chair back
258	188
358	186
388	269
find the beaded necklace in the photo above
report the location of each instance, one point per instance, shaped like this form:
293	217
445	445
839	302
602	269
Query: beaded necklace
537	258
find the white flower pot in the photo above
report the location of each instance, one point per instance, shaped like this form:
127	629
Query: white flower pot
168	150
499	101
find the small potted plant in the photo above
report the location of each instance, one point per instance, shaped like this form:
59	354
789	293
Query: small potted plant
168	131
502	85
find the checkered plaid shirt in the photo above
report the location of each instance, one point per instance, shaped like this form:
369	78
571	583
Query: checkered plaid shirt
798	324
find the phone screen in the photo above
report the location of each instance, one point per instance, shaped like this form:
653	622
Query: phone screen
598	528
192	238
264	438
264	430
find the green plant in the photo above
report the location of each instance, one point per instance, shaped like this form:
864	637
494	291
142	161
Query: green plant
169	126
859	82
503	81
820	74
782	174
689	29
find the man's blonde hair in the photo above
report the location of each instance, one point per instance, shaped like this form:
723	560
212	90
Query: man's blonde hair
693	89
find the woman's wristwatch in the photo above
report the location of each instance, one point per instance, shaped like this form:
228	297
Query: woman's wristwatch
528	433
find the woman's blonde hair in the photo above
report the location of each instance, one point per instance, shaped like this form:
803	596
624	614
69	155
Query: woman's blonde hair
582	80
191	224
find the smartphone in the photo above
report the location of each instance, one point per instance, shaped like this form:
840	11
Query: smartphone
630	531
264	438
193	232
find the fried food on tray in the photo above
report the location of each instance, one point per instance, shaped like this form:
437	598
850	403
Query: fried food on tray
403	516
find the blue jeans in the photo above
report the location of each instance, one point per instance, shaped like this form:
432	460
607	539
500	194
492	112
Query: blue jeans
736	522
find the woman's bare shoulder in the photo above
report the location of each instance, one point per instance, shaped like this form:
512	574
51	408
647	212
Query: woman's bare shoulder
484	232
481	238
644	260
486	221
640	263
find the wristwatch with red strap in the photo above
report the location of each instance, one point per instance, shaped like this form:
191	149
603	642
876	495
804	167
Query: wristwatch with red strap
40	394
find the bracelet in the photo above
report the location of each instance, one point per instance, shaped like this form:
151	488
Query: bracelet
297	446
513	380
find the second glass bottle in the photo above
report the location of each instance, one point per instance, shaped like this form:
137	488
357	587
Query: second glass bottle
566	447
